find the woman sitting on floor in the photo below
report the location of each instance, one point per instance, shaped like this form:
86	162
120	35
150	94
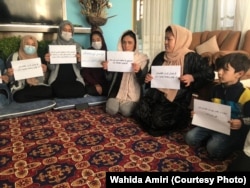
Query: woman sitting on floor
65	78
126	87
95	78
166	109
31	89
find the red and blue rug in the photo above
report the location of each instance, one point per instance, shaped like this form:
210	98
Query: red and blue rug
75	148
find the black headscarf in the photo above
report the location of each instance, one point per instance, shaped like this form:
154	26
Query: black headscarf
104	46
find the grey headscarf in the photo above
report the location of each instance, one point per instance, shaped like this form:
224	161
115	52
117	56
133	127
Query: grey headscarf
60	41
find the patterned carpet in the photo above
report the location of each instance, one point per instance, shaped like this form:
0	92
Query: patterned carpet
74	148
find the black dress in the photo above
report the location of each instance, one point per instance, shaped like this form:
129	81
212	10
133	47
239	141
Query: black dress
156	114
65	85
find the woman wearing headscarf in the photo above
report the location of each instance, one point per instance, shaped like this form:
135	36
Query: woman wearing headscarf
94	78
126	87
31	89
65	79
161	109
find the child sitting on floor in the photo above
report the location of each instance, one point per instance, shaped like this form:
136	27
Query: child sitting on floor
229	91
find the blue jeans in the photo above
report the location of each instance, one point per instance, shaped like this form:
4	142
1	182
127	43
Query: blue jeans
218	145
3	99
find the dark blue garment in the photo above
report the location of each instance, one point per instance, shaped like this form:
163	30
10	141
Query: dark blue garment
233	96
5	96
219	145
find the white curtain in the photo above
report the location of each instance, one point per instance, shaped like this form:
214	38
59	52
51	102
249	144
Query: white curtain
211	14
196	14
226	14
218	14
202	15
157	15
242	18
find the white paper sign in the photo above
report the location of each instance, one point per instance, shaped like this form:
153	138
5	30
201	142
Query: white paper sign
92	58
212	116
1	81
28	68
62	54
166	77
120	61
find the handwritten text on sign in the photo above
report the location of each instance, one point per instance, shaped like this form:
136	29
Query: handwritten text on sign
29	68
212	116
92	58
60	54
165	77
120	61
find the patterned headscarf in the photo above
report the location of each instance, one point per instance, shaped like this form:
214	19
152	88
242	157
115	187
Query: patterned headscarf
21	54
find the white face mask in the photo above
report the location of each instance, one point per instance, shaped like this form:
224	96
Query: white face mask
97	45
66	35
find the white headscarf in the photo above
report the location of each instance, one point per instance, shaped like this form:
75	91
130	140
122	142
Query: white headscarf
130	89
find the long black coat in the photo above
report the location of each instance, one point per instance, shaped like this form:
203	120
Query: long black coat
156	114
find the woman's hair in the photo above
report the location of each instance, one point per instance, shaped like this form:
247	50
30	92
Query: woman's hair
26	38
131	34
168	29
239	61
96	32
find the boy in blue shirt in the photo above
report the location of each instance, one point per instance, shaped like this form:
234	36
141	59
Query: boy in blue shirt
229	91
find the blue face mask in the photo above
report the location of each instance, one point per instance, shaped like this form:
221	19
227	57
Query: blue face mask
28	49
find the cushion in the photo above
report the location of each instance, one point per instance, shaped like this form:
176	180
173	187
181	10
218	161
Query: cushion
208	46
15	109
63	104
246	82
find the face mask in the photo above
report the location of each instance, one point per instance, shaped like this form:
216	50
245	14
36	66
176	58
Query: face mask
97	45
28	49
66	35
